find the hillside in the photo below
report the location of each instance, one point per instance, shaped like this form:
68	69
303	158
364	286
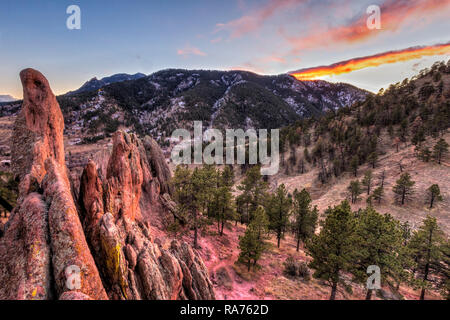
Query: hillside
422	107
391	129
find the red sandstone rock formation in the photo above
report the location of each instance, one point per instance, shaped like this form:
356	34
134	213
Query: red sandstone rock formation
114	246
44	235
133	264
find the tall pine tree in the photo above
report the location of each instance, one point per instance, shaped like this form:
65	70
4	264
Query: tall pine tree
304	215
278	211
427	245
333	250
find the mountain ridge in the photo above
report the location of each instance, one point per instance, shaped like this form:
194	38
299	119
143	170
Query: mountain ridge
165	100
7	98
95	84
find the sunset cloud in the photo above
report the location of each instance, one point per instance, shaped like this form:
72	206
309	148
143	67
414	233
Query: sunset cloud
190	50
371	61
255	20
394	15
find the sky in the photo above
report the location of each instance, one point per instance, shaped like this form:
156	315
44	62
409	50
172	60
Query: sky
263	36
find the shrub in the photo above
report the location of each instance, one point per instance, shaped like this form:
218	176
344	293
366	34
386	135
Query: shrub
296	269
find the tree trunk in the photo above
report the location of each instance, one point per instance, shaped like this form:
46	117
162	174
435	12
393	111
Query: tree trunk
279	239
333	291
298	243
432	200
369	294
422	294
5	204
221	228
248	265
403	197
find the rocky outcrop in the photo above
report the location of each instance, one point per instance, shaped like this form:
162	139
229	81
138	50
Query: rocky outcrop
158	164
38	131
134	263
44	237
105	244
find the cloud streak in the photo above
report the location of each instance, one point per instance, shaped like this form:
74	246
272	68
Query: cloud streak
351	65
394	15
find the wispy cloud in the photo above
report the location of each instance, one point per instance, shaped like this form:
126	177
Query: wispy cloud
253	21
351	65
189	50
395	14
216	40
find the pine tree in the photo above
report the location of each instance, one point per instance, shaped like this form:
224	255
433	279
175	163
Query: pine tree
418	138
305	217
222	202
404	187
278	210
434	194
378	194
355	190
207	179
382	177
378	239
333	250
253	193
354	164
444	283
424	154
261	223
367	180
402	274
252	244
427	244
440	149
249	247
186	194
373	158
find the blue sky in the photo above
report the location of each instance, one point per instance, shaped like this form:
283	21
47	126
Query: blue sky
264	36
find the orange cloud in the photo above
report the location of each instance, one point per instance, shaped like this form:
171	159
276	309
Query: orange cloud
254	21
394	15
189	50
371	61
